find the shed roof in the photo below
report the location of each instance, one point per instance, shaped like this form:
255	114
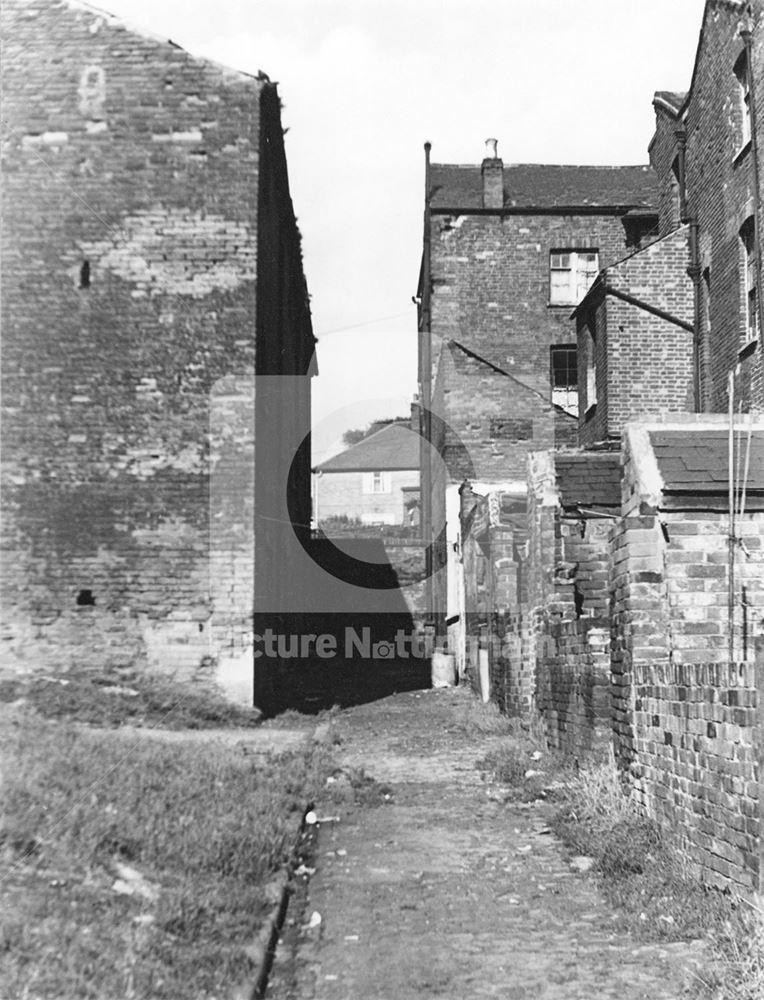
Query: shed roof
395	447
695	462
546	186
589	479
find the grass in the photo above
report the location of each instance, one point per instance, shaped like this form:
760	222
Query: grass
485	719
513	760
641	873
738	972
135	699
202	830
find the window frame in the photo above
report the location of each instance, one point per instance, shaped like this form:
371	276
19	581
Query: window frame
570	388
580	277
744	97
750	283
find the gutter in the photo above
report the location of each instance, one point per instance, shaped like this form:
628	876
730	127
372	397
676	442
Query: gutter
616	210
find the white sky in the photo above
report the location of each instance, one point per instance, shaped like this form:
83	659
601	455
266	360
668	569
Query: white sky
365	83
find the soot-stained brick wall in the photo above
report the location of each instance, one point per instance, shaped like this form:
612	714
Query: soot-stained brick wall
720	189
634	364
490	305
133	182
695	763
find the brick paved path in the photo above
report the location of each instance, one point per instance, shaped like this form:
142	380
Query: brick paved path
445	892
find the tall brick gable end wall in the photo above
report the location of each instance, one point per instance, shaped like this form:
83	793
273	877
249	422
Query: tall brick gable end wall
131	184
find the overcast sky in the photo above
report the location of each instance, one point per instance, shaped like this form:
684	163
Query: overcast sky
365	82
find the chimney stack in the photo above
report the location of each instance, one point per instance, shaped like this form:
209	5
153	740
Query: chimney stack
492	171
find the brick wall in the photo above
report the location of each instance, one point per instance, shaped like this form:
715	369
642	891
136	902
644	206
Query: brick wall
135	224
720	190
643	363
695	764
491	295
573	693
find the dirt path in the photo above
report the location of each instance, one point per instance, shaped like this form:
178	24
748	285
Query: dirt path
442	891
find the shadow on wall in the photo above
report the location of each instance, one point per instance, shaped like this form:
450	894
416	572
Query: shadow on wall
347	638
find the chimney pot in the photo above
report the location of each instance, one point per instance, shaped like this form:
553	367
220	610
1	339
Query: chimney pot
490	149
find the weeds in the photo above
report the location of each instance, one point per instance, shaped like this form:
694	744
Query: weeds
194	834
105	700
738	973
485	719
642	874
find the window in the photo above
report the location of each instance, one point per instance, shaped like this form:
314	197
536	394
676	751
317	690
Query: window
565	378
744	96
376	482
750	283
676	193
571	273
591	364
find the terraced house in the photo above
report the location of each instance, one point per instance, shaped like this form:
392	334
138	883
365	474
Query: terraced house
508	252
624	598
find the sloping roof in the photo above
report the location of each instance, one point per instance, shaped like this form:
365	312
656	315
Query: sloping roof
394	447
589	480
533	185
697	462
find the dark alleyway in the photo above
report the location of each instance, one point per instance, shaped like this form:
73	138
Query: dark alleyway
445	890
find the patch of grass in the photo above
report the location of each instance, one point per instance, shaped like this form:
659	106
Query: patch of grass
511	764
738	972
140	700
196	831
485	719
641	873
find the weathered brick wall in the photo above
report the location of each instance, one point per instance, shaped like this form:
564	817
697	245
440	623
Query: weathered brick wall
491	294
695	766
663	150
697	566
573	693
513	678
644	362
492	421
573	670
132	240
720	192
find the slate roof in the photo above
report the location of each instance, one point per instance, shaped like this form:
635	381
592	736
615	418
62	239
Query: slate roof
696	461
393	447
590	480
533	185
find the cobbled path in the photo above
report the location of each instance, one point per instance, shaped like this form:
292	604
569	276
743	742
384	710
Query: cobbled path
446	891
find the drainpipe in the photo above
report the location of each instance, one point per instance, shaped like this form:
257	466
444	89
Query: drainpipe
425	342
746	34
699	337
681	144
